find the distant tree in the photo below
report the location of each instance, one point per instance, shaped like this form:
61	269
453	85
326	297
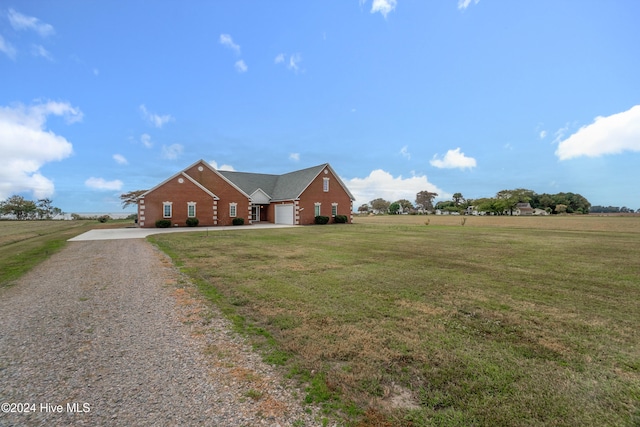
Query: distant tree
560	209
18	206
447	205
30	209
605	209
490	205
380	205
364	208
406	205
131	198
579	204
45	208
543	201
424	200
457	198
575	203
394	208
510	198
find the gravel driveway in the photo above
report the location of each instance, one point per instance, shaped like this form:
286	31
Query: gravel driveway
107	333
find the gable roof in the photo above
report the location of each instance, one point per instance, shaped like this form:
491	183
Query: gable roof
288	186
291	185
183	174
250	182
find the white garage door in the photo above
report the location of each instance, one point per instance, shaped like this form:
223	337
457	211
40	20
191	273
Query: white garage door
284	214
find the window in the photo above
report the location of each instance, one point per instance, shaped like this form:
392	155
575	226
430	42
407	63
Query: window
334	209
191	209
166	209
317	210
325	185
233	210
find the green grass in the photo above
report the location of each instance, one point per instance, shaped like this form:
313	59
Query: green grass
403	324
25	244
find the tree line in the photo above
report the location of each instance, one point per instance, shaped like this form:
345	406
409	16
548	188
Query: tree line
423	203
21	208
504	202
612	209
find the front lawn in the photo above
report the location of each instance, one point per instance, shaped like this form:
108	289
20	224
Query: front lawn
406	324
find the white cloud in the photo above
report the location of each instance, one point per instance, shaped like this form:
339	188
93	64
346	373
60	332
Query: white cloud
292	64
26	145
241	67
463	4
172	151
22	22
69	113
102	184
543	134
7	48
404	152
120	159
39	50
606	135
295	157
560	133
145	139
227	41
155	119
214	165
454	159
383	6
294	61
381	184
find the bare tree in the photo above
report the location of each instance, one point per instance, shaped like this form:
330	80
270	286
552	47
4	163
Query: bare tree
131	198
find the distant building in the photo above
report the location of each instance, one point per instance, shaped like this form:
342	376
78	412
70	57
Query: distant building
540	212
523	209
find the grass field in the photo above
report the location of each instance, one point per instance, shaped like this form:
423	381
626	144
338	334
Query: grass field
390	322
24	244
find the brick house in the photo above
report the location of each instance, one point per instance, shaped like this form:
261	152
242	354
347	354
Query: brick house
216	197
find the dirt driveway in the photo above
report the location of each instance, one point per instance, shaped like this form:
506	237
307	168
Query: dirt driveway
108	333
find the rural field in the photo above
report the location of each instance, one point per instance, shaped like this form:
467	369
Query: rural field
24	244
502	321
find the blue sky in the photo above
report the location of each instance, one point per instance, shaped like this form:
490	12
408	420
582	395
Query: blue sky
473	96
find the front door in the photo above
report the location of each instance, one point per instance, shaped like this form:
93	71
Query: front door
255	213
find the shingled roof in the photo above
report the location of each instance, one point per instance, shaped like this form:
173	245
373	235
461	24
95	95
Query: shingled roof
288	186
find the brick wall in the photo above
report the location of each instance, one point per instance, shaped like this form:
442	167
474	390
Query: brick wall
225	192
208	211
180	194
315	194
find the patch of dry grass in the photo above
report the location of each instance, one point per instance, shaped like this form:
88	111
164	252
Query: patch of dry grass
23	244
623	224
486	324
